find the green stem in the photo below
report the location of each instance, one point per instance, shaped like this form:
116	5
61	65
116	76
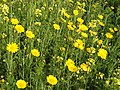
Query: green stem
11	63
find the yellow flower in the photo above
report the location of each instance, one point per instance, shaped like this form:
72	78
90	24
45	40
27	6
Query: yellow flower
67	15
91	60
56	26
108	35
21	84
38	12
100	42
80	20
88	50
92	24
72	68
70	23
6	18
69	61
75	12
52	80
63	19
2	80
12	47
35	52
112	7
111	30
85	67
30	34
37	23
79	44
101	75
91	50
14	21
101	24
70	1
5	9
63	11
107	82
118	81
115	29
100	16
82	9
102	53
19	28
4	0
70	27
62	49
83	27
84	34
92	32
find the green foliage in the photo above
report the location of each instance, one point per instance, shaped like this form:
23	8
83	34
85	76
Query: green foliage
56	46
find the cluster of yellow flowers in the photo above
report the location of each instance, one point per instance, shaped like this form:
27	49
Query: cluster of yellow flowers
71	65
83	36
84	67
79	44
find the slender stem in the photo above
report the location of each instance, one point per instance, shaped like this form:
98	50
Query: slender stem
11	63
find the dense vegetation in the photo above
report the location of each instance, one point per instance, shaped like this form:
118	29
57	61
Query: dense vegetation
60	44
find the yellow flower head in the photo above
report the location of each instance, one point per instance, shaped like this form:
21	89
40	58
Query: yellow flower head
52	80
19	28
35	52
108	35
56	26
12	47
67	15
37	23
79	44
102	53
80	20
21	84
111	30
115	29
101	24
91	60
5	9
14	21
100	42
70	1
92	24
75	12
6	18
92	32
4	0
69	61
62	49
38	12
70	23
88	50
30	34
2	80
100	16
72	68
112	7
83	27
84	34
85	67
70	27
